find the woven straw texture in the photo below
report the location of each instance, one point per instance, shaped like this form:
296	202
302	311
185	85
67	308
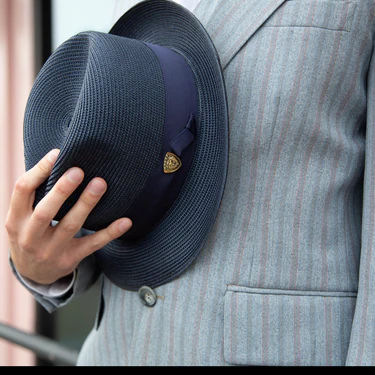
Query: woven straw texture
168	249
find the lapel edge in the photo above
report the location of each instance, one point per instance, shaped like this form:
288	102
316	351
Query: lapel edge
220	25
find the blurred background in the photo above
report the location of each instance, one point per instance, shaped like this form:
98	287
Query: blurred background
30	30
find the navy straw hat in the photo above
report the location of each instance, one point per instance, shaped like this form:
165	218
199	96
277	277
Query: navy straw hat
143	107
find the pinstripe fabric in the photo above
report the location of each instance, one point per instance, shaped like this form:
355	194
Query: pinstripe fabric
277	281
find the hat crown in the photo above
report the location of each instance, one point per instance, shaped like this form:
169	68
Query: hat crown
105	95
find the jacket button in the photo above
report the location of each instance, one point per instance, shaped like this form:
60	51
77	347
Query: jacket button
147	296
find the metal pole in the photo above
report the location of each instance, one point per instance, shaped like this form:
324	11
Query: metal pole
43	347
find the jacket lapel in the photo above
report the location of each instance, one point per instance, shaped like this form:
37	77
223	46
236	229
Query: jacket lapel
231	23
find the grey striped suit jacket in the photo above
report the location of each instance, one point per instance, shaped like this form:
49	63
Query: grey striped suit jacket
287	276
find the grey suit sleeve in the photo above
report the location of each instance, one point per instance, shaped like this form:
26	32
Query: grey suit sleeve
362	340
86	274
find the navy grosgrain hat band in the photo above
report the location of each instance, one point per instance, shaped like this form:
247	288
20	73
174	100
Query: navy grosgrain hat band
181	103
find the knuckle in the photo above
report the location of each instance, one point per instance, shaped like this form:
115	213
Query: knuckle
26	245
110	233
9	226
41	257
105	236
88	201
21	185
114	231
65	264
61	189
43	168
40	215
97	242
70	228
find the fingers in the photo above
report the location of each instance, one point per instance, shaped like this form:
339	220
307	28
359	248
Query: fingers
41	170
49	206
24	191
93	242
75	218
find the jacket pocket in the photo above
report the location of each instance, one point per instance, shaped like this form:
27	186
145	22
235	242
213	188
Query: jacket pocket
265	327
334	15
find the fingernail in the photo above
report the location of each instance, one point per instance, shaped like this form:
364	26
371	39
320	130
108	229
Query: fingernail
74	175
124	225
52	155
97	187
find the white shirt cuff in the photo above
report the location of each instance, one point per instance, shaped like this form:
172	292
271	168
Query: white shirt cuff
54	290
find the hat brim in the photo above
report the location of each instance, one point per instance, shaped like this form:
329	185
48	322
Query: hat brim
174	243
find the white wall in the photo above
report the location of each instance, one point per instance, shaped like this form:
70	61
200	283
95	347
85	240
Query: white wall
69	17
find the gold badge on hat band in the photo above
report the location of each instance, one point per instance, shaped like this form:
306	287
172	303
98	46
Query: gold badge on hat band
172	163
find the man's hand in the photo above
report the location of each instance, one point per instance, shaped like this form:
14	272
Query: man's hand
43	253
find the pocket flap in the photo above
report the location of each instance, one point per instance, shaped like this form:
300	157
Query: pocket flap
335	15
264	327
